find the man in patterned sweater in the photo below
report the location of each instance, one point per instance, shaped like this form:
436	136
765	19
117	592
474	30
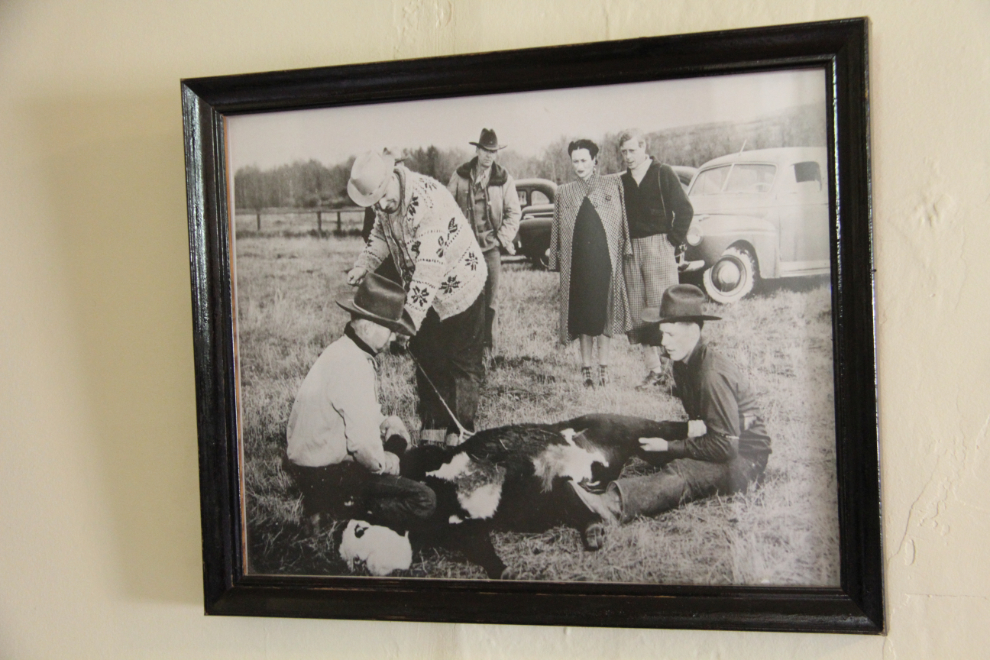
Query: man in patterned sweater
419	224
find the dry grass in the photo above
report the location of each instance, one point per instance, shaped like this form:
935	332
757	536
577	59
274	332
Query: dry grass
784	531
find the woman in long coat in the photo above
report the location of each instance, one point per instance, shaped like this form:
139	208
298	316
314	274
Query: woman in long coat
589	240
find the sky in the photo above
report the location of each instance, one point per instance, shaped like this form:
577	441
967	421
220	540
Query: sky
527	122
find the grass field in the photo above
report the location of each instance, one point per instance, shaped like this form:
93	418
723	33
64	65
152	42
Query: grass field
783	532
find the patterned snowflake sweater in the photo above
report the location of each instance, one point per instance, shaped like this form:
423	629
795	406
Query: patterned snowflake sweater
433	247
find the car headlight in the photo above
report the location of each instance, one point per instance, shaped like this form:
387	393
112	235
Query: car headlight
694	235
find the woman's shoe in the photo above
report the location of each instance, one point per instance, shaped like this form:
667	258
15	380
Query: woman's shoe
589	381
603	378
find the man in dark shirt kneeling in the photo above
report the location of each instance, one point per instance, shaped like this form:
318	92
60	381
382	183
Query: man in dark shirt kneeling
724	446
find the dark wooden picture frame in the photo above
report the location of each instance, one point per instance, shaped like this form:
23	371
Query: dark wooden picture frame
856	606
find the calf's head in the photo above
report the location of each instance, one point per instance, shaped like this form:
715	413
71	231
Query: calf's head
379	549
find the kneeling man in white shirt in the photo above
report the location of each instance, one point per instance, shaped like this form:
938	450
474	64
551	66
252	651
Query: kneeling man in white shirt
336	429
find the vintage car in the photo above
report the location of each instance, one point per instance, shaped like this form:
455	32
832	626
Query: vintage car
685	174
536	198
760	214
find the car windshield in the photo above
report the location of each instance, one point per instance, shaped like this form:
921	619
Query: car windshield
709	182
748	178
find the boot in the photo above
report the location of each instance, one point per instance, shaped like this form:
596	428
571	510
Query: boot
432	436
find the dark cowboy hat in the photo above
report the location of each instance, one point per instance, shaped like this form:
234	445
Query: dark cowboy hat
488	140
382	301
681	302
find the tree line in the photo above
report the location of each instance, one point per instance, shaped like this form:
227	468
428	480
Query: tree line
312	184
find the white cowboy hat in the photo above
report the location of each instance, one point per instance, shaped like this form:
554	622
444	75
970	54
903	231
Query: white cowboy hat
369	177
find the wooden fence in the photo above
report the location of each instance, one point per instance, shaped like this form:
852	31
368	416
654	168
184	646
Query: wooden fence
292	221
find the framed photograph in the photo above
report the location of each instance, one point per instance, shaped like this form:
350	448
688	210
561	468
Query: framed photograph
580	335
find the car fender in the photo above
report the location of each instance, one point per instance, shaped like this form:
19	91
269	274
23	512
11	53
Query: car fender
533	225
721	231
534	231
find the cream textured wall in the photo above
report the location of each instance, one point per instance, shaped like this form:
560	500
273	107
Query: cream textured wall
99	508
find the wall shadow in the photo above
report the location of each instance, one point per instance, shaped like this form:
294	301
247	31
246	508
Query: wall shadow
115	183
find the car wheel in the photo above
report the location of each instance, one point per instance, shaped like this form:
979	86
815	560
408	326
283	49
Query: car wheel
544	260
732	277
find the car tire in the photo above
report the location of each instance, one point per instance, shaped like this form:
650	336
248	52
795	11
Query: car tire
539	258
732	277
544	260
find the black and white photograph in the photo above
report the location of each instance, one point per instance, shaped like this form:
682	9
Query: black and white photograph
571	335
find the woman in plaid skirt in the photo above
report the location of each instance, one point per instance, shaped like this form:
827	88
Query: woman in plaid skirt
589	241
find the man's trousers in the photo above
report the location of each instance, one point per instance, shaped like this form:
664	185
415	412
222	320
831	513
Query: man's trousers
651	271
451	352
347	490
683	480
493	259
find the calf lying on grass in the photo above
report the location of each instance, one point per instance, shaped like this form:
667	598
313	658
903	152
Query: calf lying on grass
517	478
379	549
